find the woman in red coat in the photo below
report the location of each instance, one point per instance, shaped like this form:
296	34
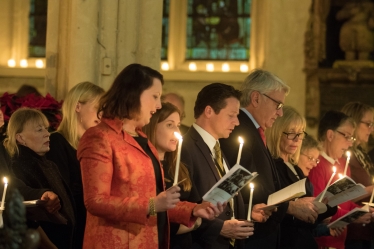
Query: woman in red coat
123	181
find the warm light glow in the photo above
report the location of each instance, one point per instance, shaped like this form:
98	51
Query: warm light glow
210	67
39	63
5	180
23	63
348	154
225	67
178	135
241	140
11	63
165	66
334	169
192	66
340	175
243	68
251	185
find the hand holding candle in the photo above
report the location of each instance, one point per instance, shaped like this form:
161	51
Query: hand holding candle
240	150
4	193
347	162
328	184
176	175
250	202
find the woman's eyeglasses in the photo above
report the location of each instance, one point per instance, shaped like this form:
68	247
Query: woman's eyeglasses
311	159
368	124
293	136
347	137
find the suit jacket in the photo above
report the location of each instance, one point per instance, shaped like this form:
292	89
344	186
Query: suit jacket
198	159
118	181
256	158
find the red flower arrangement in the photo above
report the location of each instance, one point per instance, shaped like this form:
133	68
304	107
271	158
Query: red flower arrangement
50	107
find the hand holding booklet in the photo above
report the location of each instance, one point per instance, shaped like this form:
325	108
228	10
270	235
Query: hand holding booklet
229	185
35	210
349	217
342	190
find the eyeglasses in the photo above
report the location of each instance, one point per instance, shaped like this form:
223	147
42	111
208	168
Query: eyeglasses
347	137
279	104
293	136
369	124
311	159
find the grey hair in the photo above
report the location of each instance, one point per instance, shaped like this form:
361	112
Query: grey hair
263	82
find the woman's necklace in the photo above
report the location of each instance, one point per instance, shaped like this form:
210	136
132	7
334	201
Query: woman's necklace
133	134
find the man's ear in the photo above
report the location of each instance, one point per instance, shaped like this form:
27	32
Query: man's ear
255	98
208	111
330	135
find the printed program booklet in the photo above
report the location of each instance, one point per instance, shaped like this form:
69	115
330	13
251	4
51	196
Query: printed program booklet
342	190
229	185
350	217
288	193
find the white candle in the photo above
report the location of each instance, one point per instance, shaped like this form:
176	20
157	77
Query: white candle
240	150
178	157
328	184
250	202
347	162
372	196
4	193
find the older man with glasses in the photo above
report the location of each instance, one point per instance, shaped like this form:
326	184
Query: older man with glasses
263	95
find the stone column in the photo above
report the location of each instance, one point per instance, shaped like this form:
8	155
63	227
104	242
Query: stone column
94	40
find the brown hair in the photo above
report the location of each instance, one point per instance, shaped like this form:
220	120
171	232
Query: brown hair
122	100
170	157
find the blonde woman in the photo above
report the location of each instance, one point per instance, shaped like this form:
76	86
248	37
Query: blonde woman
79	112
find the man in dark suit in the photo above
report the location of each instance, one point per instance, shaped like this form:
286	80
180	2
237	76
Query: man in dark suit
216	109
262	99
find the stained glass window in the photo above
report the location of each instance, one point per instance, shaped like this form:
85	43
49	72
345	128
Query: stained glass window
165	30
37	28
218	29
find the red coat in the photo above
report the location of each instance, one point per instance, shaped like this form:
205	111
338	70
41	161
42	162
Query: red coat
118	181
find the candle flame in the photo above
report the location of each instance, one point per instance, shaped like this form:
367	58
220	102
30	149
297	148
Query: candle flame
251	185
241	140
348	154
178	135
5	180
334	169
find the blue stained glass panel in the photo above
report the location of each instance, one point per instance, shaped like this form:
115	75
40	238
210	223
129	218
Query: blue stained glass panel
165	30
37	27
218	30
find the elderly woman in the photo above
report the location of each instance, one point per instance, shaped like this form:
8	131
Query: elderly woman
27	143
362	168
336	134
123	182
284	141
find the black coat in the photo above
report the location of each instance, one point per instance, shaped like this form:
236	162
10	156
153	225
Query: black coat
256	158
294	232
198	159
65	157
38	172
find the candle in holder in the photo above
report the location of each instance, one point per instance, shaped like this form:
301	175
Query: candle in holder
250	202
328	184
240	150
180	138
347	162
4	193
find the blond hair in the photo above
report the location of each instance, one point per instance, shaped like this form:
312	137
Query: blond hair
283	124
17	123
81	93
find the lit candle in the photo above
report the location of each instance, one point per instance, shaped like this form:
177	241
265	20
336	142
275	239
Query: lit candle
178	157
328	184
372	196
240	150
250	202
347	162
4	193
